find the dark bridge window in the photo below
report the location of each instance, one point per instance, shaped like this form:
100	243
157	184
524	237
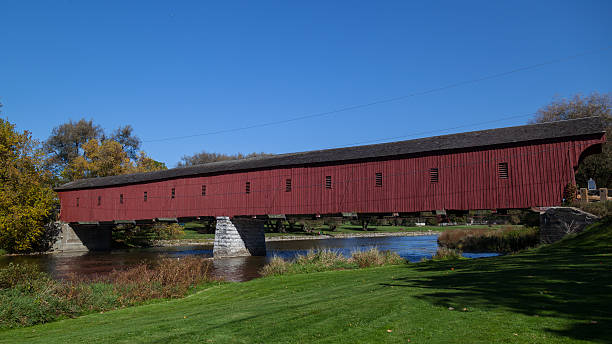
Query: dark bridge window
502	169
203	190
328	182
247	187
379	179
99	200
287	185
121	198
173	193
433	175
77	202
145	196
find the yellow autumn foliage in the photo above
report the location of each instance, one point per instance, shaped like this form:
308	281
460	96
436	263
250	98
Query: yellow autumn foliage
107	158
26	198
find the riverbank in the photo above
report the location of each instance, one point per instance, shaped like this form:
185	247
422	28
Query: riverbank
561	293
290	237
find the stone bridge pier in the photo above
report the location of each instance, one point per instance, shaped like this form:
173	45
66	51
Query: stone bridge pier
76	238
237	237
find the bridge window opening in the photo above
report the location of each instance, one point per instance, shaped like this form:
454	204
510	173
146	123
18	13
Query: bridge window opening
203	190
99	200
502	169
328	182
433	175
77	202
247	187
173	193
379	179
146	196
121	198
287	185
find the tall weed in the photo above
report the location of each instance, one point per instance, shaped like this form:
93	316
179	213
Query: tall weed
504	240
30	297
326	260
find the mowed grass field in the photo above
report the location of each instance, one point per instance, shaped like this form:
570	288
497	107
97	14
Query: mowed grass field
560	293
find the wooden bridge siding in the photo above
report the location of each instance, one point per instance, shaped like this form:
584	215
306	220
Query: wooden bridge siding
467	180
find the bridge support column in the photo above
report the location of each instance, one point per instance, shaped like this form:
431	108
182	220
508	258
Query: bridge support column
239	237
77	238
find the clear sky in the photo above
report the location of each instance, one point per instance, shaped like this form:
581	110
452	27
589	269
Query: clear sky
179	68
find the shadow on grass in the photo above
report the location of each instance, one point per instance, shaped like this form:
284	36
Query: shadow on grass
571	280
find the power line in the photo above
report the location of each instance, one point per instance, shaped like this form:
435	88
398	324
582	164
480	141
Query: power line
388	100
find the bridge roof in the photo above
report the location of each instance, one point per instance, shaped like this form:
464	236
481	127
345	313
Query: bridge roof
470	140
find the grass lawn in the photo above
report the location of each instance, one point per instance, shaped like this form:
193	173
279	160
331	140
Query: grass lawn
560	293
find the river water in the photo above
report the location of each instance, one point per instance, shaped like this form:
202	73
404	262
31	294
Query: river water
413	248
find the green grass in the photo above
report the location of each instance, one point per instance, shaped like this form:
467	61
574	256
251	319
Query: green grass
560	293
2	252
192	234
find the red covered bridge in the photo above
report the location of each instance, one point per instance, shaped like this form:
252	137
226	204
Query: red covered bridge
507	168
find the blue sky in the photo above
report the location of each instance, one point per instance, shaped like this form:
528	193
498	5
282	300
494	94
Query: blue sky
188	68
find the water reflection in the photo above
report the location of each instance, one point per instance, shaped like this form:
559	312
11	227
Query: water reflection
61	265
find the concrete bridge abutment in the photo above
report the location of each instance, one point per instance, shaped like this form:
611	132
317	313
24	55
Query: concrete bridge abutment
236	237
78	238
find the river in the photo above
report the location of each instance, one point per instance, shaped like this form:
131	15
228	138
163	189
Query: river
412	248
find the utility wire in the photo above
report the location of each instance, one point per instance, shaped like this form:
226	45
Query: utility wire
388	100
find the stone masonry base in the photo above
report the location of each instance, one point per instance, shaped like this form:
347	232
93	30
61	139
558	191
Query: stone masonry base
239	237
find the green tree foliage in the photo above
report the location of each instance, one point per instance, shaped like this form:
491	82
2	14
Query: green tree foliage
598	167
82	150
206	157
26	199
130	142
66	141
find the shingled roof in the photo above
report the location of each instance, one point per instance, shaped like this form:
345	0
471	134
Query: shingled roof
474	139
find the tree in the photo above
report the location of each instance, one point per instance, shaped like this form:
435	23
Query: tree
205	157
26	198
129	141
108	158
66	141
598	167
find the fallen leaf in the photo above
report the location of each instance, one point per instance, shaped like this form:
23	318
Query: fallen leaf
389	331
451	308
593	321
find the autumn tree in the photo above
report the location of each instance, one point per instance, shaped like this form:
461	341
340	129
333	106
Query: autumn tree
598	167
66	141
26	198
83	150
108	158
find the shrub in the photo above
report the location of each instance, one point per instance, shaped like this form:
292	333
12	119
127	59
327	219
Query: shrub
30	297
325	260
600	209
332	224
15	274
569	193
506	239
276	266
374	257
444	253
146	235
